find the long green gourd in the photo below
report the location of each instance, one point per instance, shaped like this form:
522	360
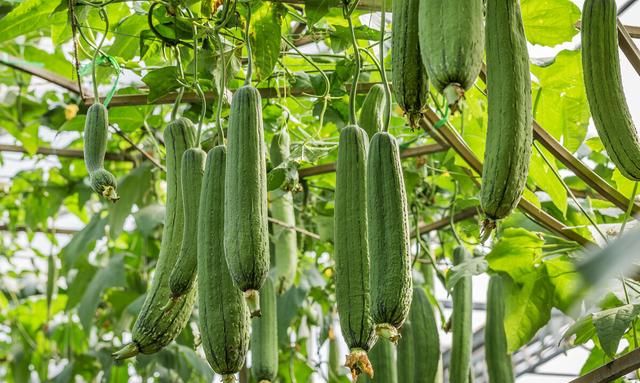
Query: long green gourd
264	337
183	275
419	358
509	131
383	360
285	241
246	235
155	328
351	249
603	82
496	353
409	78
461	323
391	282
372	111
452	45
224	315
95	147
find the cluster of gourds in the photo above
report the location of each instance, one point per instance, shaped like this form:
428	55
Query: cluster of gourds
216	229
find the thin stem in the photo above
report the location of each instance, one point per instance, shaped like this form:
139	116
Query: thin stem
94	70
452	214
221	89
196	83
629	208
383	72
247	80
353	119
176	105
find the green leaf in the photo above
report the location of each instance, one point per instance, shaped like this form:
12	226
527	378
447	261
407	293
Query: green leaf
528	307
126	33
565	280
161	82
316	9
474	266
149	218
131	189
580	332
111	275
265	32
546	179
516	253
29	16
560	101
549	22
611	325
82	242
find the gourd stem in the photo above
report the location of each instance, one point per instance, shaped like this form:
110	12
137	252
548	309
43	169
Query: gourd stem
196	83
383	73
176	105
247	80
353	120
94	70
629	208
221	89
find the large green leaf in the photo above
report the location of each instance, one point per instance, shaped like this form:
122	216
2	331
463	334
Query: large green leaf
516	253
549	22
612	324
111	275
265	32
29	16
560	101
131	188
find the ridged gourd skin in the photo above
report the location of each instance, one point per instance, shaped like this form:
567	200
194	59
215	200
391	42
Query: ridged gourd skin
603	83
224	315
419	358
246	238
391	281
96	128
383	360
499	365
409	78
461	323
285	241
509	130
183	275
155	328
264	336
372	111
351	250
452	45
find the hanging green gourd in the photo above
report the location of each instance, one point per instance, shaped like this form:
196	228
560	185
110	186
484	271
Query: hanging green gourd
285	242
96	132
351	251
184	273
452	45
409	78
391	282
246	235
509	125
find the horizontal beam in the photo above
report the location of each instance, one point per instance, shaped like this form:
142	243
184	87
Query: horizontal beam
37	71
68	153
538	215
613	370
467	213
587	175
192	97
407	153
628	47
